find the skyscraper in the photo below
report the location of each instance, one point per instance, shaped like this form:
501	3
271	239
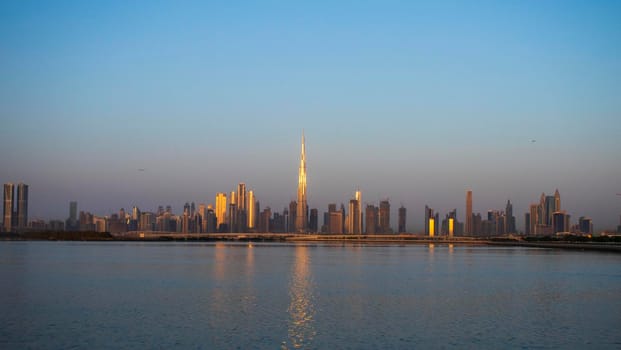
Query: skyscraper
301	219
402	219
202	213
314	220
469	212
428	215
585	225
251	211
336	222
384	216
241	196
360	216
432	226
450	225
557	201
22	205
354	219
371	220
73	211
509	218
533	219
9	192
293	210
264	220
232	217
72	222
241	201
527	223
559	222
220	209
431	222
541	214
211	220
136	211
550	209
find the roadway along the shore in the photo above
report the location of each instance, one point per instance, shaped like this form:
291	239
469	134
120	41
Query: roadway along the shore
388	239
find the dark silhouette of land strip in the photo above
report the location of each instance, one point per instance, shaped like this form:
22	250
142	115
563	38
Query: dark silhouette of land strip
599	243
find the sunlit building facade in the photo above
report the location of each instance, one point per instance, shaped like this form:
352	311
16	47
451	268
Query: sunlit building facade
251	214
301	213
220	209
431	222
354	218
336	222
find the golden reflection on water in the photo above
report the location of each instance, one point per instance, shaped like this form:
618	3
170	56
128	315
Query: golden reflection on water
218	300
250	260
301	308
219	264
430	258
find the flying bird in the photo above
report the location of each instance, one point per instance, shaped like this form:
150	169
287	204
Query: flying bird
141	169
533	141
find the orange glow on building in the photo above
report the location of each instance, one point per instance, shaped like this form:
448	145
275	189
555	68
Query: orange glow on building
301	218
220	209
251	208
432	227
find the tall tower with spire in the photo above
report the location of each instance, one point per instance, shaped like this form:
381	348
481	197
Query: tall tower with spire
301	219
469	229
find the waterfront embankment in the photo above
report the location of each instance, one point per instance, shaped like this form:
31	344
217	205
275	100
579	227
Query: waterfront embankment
148	236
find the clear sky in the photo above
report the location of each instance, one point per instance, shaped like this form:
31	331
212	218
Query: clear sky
415	101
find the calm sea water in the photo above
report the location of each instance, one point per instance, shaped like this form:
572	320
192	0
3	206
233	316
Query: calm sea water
275	296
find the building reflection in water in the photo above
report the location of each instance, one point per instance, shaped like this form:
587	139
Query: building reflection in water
219	300
430	260
250	261
301	308
219	263
451	252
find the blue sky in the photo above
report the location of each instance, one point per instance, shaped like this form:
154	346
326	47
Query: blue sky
414	101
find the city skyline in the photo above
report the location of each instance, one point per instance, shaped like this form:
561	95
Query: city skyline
243	214
416	102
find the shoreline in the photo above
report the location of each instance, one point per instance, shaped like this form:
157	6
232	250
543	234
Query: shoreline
400	239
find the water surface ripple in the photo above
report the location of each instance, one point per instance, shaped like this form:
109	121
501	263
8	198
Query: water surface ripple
305	296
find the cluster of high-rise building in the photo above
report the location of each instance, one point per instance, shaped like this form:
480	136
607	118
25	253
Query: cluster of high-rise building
239	211
15	211
546	217
497	222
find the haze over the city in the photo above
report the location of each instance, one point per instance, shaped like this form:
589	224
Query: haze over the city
117	104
